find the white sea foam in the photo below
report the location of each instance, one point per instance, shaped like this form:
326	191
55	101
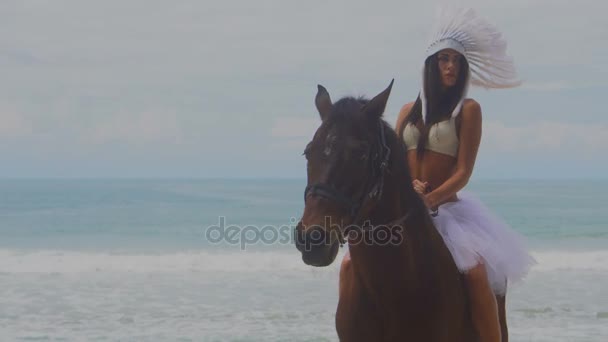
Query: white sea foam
14	261
251	296
570	260
56	261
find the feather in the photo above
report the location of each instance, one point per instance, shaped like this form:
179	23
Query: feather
481	43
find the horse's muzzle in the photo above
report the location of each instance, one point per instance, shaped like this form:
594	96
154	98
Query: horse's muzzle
318	247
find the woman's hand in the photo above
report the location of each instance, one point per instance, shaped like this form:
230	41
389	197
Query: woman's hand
420	187
423	189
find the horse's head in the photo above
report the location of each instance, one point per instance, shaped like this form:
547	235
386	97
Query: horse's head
346	160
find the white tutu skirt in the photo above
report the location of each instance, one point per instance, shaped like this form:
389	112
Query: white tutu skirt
474	235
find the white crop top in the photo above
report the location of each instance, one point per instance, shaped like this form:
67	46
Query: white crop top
443	137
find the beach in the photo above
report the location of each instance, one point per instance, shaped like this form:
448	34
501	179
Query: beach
108	260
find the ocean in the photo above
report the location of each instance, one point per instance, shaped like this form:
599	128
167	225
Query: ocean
139	260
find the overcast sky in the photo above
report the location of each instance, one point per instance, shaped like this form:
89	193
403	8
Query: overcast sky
225	88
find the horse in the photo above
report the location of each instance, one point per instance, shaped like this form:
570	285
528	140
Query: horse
400	282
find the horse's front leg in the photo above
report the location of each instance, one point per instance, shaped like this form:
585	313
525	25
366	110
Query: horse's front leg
345	309
345	269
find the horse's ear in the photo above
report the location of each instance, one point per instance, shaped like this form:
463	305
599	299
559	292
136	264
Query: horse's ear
375	107
323	102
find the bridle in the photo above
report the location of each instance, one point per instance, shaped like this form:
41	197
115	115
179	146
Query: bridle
353	206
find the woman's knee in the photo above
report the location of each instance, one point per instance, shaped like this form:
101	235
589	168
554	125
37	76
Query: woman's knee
477	276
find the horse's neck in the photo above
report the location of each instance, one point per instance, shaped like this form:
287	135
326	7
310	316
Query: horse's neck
402	282
390	268
398	199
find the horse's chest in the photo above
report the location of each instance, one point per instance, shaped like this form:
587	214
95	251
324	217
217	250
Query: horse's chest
360	318
357	317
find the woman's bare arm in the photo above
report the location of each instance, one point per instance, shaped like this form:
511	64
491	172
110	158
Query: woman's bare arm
470	138
403	114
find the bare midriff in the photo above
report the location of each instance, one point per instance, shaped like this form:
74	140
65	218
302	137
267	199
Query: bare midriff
434	168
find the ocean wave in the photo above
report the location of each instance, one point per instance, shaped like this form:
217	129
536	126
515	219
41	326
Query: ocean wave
56	261
64	261
571	260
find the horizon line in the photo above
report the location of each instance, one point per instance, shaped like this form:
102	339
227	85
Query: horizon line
557	178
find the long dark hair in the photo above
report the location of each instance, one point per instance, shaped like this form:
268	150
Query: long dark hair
440	103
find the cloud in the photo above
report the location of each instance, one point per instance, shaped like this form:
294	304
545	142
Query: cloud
13	124
289	136
586	140
200	79
136	129
294	127
19	57
549	137
547	86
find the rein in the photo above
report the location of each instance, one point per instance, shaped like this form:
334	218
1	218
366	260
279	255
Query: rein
351	206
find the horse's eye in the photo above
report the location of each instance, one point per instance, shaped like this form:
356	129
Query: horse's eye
363	151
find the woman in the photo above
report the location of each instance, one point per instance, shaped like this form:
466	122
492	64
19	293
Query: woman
442	133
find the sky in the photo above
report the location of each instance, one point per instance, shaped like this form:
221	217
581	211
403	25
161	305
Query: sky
172	89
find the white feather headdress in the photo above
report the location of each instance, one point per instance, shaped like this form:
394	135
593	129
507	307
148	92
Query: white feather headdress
480	43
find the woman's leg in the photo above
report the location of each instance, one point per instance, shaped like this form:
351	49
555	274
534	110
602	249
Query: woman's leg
483	304
502	316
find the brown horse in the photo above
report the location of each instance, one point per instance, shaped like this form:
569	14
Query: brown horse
401	283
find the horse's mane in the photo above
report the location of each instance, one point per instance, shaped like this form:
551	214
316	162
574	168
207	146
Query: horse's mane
346	109
401	165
